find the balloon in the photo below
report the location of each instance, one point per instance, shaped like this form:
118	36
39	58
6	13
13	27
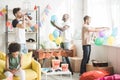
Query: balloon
56	33
99	41
114	32
51	37
58	40
101	34
110	40
53	18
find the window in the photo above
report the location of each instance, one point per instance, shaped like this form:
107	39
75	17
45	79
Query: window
105	13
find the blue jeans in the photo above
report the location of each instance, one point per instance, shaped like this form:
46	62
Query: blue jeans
65	45
86	56
24	49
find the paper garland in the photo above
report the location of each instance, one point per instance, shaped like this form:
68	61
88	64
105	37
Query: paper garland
2	12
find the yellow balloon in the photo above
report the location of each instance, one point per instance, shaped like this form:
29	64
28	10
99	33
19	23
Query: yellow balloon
51	37
110	40
58	40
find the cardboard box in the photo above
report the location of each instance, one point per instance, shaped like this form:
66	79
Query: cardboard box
75	63
90	67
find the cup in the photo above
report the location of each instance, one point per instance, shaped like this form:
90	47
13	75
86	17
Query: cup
55	64
64	67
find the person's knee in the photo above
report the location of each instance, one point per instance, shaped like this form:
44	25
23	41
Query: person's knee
8	74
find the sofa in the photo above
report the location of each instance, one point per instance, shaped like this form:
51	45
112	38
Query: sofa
32	68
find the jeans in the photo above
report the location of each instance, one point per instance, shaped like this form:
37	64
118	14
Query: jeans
86	56
65	45
24	49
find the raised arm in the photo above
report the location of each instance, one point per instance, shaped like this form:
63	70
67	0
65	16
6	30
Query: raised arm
58	27
97	29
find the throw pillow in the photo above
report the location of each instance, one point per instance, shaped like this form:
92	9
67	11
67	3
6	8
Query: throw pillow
91	75
26	60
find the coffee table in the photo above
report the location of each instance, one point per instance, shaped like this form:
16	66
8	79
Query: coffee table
44	71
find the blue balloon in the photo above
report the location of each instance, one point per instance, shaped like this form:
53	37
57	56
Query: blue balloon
114	31
53	18
56	33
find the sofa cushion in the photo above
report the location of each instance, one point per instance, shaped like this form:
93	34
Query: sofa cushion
26	60
2	76
2	55
30	74
91	75
2	66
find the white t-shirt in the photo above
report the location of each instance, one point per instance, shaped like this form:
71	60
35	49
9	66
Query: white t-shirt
67	34
19	32
20	35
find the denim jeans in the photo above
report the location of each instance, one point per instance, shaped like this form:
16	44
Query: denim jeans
65	45
24	49
86	56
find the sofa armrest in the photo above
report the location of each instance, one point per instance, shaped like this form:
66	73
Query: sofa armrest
37	68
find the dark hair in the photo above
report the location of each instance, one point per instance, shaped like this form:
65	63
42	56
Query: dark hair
13	47
86	17
15	10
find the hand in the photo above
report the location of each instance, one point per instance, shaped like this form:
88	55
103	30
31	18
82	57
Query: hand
13	71
106	28
53	23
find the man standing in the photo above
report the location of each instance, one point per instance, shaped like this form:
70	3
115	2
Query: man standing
19	23
66	34
86	41
65	29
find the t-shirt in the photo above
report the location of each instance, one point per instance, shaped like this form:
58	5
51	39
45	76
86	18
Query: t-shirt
20	32
14	62
67	34
86	35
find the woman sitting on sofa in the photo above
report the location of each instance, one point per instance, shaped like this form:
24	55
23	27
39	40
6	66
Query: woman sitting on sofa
13	62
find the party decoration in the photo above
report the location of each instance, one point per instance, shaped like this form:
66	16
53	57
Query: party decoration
8	24
1	14
53	18
45	14
51	37
56	33
114	31
101	34
110	40
35	7
4	10
58	40
99	41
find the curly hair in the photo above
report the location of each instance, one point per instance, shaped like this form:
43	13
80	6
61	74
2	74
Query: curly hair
13	47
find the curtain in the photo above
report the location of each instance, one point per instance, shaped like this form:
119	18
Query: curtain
105	13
